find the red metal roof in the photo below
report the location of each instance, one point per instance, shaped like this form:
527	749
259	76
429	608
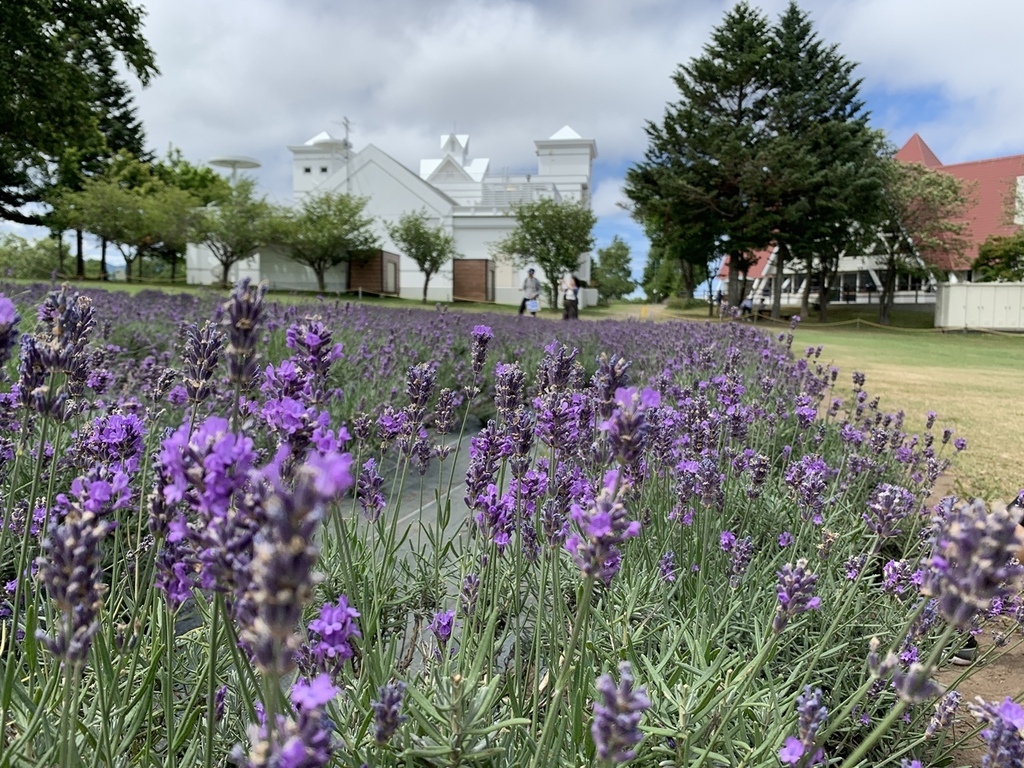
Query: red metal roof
916	151
990	187
756	269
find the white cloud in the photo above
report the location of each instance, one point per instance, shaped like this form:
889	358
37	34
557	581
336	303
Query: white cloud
252	77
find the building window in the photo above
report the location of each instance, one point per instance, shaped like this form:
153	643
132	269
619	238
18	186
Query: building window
323	169
307	169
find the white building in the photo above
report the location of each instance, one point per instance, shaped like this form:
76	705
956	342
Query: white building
458	192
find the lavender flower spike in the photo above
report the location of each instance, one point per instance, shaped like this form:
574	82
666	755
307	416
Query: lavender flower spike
1004	734
795	589
970	563
617	714
811	716
386	711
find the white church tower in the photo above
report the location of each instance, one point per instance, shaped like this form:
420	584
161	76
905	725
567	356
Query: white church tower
317	160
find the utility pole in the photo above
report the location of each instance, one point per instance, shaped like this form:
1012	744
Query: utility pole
347	125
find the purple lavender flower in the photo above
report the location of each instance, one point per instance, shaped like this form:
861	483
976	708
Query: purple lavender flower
742	554
811	715
508	387
368	491
945	710
887	506
809	477
9	320
241	317
496	516
603	527
1003	734
442	626
284	554
785	539
795	590
200	357
970	563
333	631
387	711
626	428
468	594
300	742
482	334
667	567
617	713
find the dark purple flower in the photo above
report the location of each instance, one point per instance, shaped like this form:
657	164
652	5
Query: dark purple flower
284	554
300	742
368	490
795	590
887	506
667	567
742	553
442	626
200	356
626	428
482	334
617	713
387	711
970	563
1003	734
811	715
603	527
241	317
332	634
468	594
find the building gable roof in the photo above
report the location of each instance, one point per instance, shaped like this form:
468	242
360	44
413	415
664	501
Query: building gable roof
991	189
371	159
916	151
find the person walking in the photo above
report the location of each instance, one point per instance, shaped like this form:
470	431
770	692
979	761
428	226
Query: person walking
570	297
531	294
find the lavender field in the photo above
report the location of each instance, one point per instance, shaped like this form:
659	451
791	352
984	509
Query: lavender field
329	534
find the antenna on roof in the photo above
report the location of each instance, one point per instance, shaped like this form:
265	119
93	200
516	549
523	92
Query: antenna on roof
347	125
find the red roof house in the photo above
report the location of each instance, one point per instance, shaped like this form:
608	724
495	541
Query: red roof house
989	185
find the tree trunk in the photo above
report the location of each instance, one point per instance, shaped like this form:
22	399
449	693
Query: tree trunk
689	282
782	256
888	297
805	298
225	268
174	268
79	255
60	250
321	283
732	294
426	282
103	259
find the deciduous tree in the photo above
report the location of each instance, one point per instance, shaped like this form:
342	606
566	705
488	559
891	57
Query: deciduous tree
551	234
1001	259
236	227
430	246
612	273
923	225
327	230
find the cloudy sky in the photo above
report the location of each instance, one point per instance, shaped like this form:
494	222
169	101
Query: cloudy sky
251	77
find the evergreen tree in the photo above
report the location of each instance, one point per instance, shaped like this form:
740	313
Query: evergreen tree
612	273
704	167
48	105
826	177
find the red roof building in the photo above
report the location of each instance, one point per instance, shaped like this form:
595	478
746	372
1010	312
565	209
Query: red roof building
991	188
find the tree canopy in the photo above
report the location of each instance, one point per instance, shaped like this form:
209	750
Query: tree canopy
430	246
612	272
923	224
236	227
1001	259
50	103
768	143
128	205
326	230
551	234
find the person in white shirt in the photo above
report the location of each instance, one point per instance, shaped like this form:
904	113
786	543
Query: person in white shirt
531	291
